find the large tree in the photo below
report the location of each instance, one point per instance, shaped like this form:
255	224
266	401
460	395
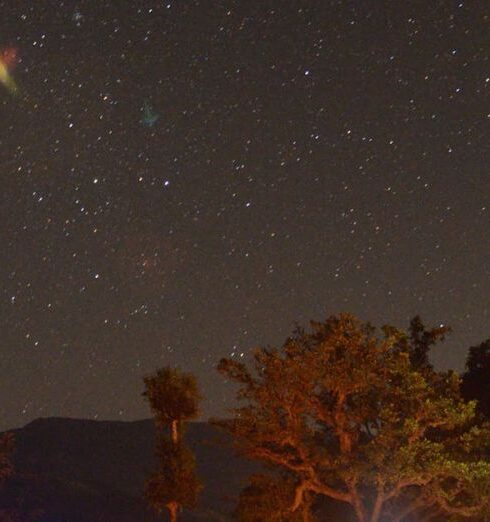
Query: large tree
174	399
348	412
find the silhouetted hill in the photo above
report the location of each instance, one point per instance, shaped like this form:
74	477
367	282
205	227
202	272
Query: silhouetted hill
87	471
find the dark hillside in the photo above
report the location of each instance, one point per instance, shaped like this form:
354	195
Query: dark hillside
82	470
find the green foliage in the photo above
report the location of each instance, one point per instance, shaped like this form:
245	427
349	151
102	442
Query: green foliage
175	479
361	417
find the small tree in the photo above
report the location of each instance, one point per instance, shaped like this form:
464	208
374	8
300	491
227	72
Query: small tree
173	397
347	413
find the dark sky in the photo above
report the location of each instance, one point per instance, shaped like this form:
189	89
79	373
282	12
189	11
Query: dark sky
183	180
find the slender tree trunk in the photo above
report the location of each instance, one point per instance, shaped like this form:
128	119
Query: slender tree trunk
356	503
306	509
172	511
174	426
306	516
359	509
174	433
298	497
377	508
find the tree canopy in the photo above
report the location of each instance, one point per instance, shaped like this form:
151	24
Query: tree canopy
353	414
476	379
172	395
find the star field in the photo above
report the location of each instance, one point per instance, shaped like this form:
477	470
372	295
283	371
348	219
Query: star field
184	180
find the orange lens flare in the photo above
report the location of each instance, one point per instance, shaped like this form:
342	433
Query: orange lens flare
8	58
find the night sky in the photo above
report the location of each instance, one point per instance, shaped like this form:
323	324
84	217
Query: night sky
183	180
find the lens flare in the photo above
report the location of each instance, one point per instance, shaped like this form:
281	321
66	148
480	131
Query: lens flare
8	58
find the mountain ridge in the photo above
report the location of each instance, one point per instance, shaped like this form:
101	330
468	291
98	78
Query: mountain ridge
82	470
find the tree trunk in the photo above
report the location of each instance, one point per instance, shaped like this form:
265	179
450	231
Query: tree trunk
377	507
174	426
359	509
306	515
172	511
173	506
356	503
306	508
